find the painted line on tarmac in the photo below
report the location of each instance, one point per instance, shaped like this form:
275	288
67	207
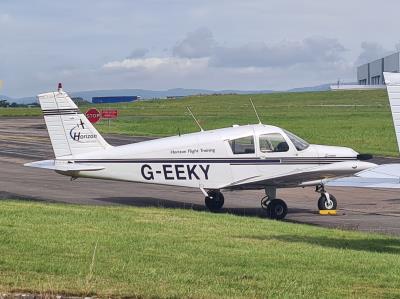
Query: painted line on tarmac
370	213
16	153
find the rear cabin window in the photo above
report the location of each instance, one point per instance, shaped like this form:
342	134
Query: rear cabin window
244	145
273	142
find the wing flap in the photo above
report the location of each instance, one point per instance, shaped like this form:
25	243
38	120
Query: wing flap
64	166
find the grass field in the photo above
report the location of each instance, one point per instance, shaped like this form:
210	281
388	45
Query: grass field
150	252
358	119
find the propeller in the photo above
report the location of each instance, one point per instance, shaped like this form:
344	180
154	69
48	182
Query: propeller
364	157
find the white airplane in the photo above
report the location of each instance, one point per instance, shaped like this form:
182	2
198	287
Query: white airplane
235	158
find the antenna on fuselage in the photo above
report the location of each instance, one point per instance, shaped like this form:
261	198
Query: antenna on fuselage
255	110
191	113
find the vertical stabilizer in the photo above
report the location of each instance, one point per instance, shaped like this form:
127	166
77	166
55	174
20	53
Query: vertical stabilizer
392	81
70	131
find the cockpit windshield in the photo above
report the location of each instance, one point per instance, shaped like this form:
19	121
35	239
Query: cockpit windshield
299	143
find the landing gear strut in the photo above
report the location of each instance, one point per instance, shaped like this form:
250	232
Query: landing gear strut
214	200
326	201
275	208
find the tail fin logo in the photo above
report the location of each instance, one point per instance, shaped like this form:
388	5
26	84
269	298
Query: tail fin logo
81	134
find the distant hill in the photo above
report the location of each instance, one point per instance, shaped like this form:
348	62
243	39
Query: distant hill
159	94
8	99
322	87
143	93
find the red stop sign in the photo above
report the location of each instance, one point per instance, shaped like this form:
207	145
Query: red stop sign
93	115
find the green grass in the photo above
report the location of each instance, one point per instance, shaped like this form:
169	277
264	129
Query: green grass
367	128
18	112
150	252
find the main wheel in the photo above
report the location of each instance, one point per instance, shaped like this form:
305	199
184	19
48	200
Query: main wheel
325	204
214	201
277	209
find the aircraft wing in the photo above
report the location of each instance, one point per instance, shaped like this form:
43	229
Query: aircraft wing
53	165
306	177
382	176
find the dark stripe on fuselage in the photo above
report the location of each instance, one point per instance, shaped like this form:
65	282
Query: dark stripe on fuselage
249	161
179	161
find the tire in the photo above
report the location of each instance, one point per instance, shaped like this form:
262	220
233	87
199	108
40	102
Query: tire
323	202
277	209
214	201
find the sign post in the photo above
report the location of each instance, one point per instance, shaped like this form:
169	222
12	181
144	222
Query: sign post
109	114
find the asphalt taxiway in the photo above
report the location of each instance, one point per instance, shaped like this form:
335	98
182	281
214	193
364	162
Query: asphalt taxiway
25	139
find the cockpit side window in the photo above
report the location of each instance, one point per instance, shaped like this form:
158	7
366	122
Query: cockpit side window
273	142
299	143
244	145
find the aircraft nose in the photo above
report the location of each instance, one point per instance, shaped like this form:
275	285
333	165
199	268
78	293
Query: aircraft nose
326	151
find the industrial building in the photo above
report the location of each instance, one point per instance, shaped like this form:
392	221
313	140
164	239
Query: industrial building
114	99
372	73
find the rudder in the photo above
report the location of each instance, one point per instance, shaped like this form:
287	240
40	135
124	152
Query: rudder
70	131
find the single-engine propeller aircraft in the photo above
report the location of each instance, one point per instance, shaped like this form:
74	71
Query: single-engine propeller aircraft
236	158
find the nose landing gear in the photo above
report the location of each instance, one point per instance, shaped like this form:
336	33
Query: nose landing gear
326	201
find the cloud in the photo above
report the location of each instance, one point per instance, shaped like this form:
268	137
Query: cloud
284	54
201	43
68	36
199	60
197	44
370	52
5	18
138	52
157	63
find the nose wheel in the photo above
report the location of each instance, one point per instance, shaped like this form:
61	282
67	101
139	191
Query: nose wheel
326	201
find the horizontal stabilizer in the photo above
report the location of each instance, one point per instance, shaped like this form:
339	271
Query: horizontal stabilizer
54	165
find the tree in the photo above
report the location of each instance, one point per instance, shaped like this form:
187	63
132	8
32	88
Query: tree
79	101
4	103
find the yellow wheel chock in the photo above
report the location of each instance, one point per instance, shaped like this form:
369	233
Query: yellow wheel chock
327	212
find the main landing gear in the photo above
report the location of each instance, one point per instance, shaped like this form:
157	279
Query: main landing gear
214	200
275	208
326	201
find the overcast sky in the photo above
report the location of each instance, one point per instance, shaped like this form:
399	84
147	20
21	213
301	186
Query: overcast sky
155	44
